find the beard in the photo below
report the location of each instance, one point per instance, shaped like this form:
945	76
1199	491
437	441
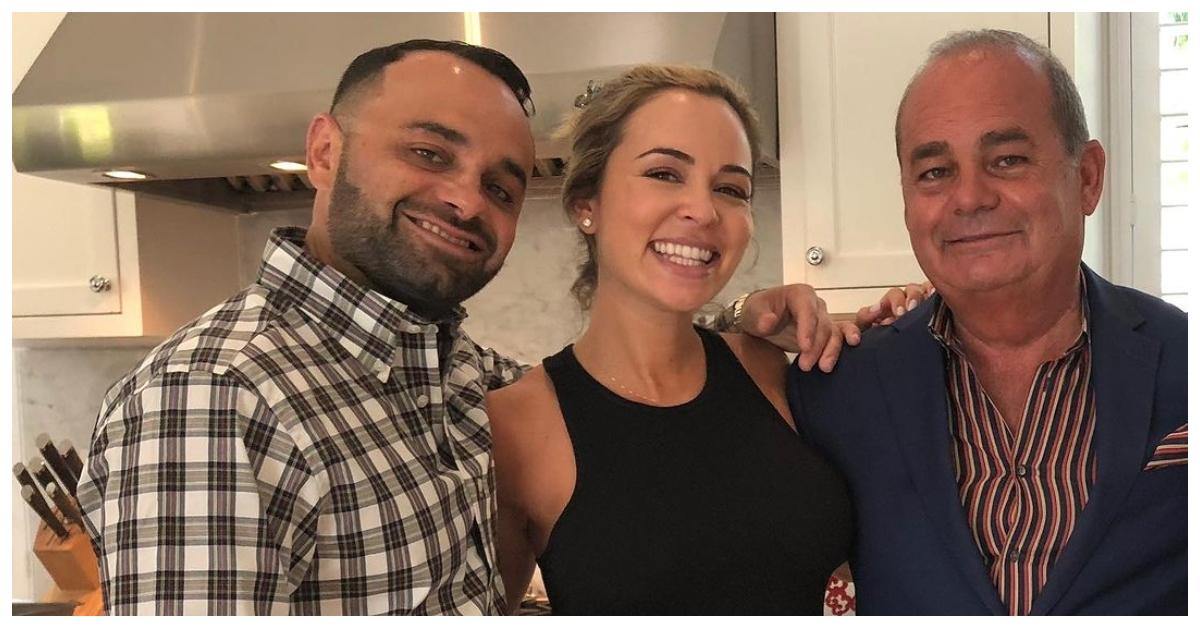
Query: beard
394	261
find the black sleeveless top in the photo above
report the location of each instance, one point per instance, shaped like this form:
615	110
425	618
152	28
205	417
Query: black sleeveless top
710	507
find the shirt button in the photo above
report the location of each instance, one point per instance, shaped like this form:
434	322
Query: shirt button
1022	471
414	329
1014	555
422	401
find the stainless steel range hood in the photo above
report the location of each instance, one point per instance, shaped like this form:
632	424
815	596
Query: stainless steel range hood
205	101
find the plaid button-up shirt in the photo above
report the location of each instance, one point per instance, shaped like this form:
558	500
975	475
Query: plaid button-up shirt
302	448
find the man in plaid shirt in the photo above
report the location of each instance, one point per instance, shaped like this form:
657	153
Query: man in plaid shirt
318	444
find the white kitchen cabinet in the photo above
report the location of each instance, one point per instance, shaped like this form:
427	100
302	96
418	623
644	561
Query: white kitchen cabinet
841	76
64	237
155	263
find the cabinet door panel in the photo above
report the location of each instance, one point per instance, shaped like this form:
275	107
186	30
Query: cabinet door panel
841	77
63	235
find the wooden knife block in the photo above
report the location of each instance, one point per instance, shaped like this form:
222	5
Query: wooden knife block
71	562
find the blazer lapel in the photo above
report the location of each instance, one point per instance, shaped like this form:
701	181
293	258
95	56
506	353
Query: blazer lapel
1124	366
913	380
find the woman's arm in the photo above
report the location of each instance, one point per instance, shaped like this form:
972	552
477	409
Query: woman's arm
514	554
535	474
514	416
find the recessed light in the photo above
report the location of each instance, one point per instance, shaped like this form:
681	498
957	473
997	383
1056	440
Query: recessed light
128	175
289	166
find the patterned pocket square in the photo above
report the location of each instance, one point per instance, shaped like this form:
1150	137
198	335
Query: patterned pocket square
1171	450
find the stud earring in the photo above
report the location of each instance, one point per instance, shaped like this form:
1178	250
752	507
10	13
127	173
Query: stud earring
586	223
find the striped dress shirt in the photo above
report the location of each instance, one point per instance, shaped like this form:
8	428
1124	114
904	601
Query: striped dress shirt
307	447
1022	493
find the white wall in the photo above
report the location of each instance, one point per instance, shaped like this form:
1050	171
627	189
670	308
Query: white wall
30	32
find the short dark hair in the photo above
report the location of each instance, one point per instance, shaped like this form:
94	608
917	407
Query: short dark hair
1066	105
368	67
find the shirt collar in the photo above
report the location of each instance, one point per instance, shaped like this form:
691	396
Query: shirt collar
941	324
367	324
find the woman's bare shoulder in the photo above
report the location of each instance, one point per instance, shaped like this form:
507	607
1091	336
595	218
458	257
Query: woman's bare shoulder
525	406
531	447
533	387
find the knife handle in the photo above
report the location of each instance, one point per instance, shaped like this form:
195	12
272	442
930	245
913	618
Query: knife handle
41	473
56	463
43	511
74	462
65	504
23	478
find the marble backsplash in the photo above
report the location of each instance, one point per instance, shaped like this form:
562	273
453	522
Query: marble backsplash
526	311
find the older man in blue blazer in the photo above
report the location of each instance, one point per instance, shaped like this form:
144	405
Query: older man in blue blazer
1018	443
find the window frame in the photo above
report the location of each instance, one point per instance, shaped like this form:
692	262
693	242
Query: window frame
1134	152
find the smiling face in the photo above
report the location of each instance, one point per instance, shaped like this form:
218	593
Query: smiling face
427	176
672	217
991	196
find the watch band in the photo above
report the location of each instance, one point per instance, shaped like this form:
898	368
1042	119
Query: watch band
730	318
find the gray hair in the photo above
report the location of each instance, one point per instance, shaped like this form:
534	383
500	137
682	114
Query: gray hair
1066	105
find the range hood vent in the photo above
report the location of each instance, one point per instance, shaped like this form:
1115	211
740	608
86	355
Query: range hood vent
204	102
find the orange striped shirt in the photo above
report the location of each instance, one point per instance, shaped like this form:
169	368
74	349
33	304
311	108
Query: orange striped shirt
1022	493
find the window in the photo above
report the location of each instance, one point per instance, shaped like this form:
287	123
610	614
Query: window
1173	156
1149	153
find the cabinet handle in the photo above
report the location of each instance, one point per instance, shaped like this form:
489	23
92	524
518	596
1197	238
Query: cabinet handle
99	284
815	255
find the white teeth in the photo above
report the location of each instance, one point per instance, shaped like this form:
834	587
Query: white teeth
683	252
429	226
683	261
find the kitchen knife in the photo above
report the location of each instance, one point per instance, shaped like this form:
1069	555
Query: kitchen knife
23	476
41	473
74	462
26	480
65	504
56	463
34	499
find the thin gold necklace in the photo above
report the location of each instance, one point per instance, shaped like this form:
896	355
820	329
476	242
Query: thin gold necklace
625	389
653	401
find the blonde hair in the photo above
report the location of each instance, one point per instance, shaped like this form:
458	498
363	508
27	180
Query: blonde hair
596	130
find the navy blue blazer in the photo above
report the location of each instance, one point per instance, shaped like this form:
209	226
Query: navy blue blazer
881	417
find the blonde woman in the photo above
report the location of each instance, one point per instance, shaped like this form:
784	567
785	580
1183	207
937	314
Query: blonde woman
653	466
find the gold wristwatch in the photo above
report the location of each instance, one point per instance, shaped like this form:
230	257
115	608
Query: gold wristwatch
730	318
